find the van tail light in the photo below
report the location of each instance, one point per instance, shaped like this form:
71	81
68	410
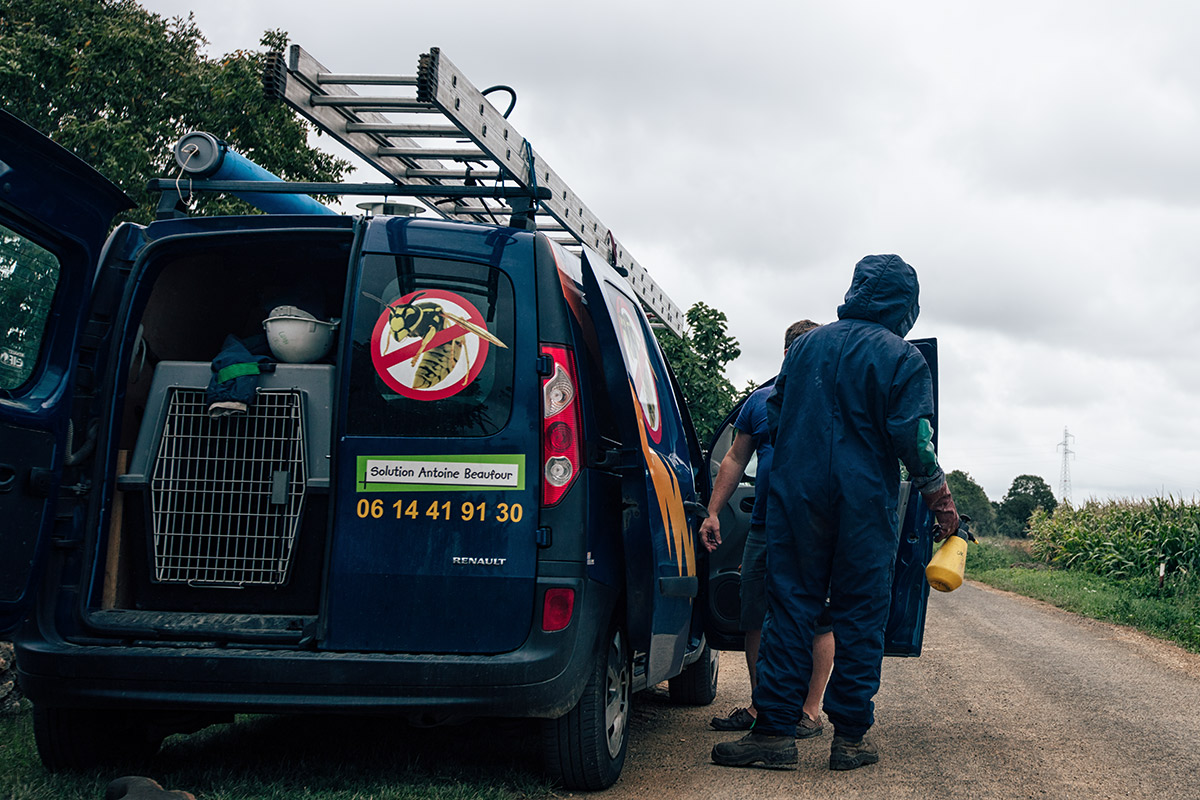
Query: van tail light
557	608
561	428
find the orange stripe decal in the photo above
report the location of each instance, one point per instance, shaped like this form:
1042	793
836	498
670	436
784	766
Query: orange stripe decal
670	503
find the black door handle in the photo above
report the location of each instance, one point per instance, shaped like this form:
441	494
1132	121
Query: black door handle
8	477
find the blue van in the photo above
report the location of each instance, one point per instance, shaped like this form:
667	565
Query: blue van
480	501
477	497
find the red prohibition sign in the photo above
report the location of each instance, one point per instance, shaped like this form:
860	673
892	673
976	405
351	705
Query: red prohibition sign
394	360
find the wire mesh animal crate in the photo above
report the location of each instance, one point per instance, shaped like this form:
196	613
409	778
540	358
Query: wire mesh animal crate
226	493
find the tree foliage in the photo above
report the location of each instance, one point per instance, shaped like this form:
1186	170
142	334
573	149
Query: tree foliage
118	85
1026	493
699	360
972	500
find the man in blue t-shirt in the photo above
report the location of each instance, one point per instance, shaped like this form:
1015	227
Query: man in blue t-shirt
752	435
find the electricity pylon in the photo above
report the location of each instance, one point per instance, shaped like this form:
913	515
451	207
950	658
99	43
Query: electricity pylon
1064	478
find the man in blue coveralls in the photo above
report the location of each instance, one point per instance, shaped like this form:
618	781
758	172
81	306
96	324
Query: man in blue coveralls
754	437
853	401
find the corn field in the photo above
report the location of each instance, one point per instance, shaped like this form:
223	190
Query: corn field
1121	539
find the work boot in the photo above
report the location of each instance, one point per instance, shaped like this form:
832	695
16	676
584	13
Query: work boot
851	753
776	752
740	719
808	727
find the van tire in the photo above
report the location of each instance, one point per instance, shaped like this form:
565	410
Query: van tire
585	749
697	684
74	739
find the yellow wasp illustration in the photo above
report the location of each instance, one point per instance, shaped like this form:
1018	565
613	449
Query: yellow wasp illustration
424	320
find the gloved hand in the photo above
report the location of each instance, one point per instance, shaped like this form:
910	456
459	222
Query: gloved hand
942	505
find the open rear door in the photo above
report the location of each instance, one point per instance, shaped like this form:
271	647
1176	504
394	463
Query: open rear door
657	480
55	213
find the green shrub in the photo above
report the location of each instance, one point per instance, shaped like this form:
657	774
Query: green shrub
993	553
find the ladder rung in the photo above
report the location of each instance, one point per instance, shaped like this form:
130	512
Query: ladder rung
453	174
476	211
367	80
404	130
433	153
394	148
375	103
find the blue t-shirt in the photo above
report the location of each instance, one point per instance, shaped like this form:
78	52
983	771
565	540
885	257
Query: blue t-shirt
752	421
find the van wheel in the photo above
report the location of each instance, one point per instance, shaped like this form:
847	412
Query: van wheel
586	748
76	739
697	684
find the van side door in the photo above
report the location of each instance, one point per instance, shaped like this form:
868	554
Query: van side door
905	630
724	572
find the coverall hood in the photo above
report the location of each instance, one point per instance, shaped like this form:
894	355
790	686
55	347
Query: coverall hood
884	290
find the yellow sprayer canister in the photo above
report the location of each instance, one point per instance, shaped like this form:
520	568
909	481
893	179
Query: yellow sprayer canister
945	570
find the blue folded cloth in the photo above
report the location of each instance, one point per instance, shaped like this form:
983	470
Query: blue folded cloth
235	377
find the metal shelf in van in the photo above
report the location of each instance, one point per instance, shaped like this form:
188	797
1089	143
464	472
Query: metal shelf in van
313	384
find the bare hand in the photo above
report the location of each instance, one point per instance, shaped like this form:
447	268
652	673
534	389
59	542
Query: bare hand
710	532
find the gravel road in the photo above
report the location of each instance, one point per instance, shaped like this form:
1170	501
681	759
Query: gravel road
1011	698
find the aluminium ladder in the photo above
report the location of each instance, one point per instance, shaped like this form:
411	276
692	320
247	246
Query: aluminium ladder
495	151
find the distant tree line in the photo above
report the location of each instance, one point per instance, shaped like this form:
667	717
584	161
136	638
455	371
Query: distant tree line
1008	517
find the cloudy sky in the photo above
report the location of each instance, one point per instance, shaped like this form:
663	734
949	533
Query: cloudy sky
1037	161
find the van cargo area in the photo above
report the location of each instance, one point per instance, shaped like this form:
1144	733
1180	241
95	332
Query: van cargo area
220	518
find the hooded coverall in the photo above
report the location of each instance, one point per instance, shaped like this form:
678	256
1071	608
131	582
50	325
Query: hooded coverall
853	400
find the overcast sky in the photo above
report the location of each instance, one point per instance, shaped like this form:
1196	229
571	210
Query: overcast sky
1038	163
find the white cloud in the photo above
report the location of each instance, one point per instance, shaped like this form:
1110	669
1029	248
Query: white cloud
1036	161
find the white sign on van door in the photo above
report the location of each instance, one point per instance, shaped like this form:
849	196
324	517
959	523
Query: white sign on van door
491	471
637	360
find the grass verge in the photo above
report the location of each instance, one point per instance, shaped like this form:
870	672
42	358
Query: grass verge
314	758
1171	612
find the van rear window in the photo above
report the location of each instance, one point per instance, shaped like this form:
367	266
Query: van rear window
432	348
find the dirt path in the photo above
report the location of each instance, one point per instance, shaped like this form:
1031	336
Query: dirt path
1011	699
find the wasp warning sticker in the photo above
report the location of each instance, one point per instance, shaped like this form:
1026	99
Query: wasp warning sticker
427	473
430	344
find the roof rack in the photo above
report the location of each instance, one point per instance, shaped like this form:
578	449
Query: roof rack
485	147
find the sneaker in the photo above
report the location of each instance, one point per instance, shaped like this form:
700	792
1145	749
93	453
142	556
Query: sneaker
851	753
740	719
775	752
807	727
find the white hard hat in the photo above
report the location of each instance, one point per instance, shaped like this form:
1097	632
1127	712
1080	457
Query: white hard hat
296	336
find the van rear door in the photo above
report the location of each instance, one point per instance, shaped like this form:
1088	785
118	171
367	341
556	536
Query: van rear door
55	212
434	547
